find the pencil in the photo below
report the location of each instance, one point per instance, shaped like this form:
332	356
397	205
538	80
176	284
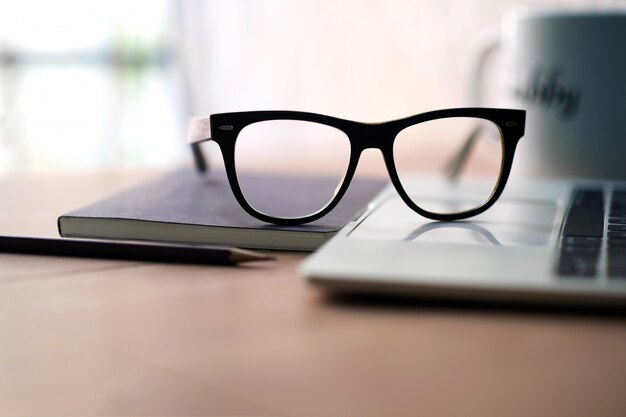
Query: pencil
151	252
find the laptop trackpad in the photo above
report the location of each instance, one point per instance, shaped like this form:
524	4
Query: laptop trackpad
510	222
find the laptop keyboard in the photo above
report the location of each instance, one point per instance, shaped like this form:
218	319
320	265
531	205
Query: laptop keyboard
593	240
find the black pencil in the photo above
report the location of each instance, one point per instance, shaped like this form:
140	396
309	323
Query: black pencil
151	252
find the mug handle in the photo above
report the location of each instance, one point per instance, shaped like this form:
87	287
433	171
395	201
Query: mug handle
487	42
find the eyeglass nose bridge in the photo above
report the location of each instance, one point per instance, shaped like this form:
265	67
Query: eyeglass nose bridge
371	136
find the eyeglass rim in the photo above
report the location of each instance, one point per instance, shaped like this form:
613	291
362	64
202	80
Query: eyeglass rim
224	129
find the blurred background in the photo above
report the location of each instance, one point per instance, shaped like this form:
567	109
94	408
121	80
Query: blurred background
111	83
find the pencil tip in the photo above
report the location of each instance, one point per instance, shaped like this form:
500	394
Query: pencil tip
241	255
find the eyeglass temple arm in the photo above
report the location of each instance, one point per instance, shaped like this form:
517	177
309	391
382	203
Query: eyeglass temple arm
199	131
455	166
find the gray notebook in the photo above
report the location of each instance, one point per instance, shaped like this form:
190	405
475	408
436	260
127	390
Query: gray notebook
186	207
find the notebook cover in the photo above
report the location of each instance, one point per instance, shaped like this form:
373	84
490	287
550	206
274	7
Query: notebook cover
187	198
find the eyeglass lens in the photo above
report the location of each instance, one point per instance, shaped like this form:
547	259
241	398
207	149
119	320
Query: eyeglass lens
283	150
425	153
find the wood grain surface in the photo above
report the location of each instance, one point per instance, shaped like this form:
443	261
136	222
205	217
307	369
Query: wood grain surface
87	337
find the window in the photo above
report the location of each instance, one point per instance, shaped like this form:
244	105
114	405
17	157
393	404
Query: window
86	85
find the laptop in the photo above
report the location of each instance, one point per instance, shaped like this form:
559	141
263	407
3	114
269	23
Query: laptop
554	242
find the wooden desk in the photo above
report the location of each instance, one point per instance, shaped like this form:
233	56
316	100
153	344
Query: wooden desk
83	337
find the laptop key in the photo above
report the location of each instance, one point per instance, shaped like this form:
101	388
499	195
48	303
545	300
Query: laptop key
616	263
617	227
582	235
616	234
616	257
616	243
578	243
586	214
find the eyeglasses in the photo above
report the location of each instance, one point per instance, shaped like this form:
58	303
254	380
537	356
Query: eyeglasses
472	149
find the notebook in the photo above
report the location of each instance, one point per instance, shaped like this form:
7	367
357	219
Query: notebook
555	242
184	206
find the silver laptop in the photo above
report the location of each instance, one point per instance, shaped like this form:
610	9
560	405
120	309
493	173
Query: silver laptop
558	242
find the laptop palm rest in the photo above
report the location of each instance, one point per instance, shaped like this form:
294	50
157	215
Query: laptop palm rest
510	252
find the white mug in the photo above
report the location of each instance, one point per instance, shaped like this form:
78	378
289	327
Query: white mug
568	70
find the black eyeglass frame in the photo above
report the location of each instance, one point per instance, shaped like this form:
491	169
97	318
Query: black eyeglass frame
224	128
